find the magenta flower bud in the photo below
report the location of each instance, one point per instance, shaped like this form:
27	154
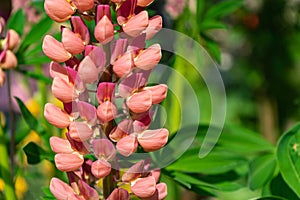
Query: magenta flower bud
13	39
56	70
63	90
55	50
154	26
159	92
80	131
122	130
79	27
87	112
59	145
101	168
71	42
59	10
102	10
84	5
136	24
119	49
60	189
148	58
68	162
152	140
79	147
56	116
105	92
103	148
127	145
87	70
2	77
123	65
140	102
144	3
125	10
87	191
144	187
8	60
104	30
119	194
106	111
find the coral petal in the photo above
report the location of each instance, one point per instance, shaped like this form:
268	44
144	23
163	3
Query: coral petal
59	145
71	42
103	148
87	71
136	24
123	65
140	102
159	92
127	145
144	187
80	131
58	10
154	26
106	111
104	30
149	58
84	5
60	189
68	162
63	90
119	194
56	116
152	140
101	168
55	50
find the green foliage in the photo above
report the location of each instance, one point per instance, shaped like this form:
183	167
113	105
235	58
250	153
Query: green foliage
17	22
35	154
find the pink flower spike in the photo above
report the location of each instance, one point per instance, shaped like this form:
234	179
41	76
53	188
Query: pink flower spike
60	189
87	112
56	70
140	102
136	24
104	30
87	70
55	50
149	58
8	60
122	130
119	49
105	92
59	10
160	193
98	56
102	10
123	65
13	39
71	42
68	162
59	145
106	111
79	27
144	187
127	145
56	116
80	131
119	194
84	5
63	90
103	148
152	140
101	168
144	3
159	92
154	26
125	10
87	191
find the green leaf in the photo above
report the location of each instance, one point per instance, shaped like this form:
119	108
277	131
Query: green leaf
288	156
200	9
33	153
223	8
214	49
36	76
17	22
212	24
261	171
270	198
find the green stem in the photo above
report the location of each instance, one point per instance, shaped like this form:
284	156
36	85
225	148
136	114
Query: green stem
4	166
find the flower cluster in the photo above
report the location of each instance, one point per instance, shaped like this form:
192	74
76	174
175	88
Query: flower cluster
101	79
9	43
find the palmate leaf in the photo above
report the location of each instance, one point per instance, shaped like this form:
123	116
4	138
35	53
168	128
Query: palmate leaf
288	156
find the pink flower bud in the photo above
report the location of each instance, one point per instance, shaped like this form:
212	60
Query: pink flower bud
144	3
87	112
60	189
59	10
80	131
144	187
127	145
119	194
55	50
134	172
122	130
123	65
13	39
102	10
56	116
103	148
155	25
68	162
152	140
2	78
56	70
159	92
87	71
140	102
105	92
125	10
87	191
84	5
80	28
160	193
136	24
71	42
63	90
149	58
97	55
59	145
101	168
104	30
8	60
106	111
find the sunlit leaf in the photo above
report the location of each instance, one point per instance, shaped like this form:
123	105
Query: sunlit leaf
17	22
223	8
